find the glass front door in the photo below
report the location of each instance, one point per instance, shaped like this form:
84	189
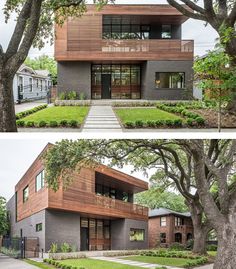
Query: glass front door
116	81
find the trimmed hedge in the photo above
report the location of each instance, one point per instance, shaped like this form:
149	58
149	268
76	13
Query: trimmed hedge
30	111
154	124
192	118
51	124
58	264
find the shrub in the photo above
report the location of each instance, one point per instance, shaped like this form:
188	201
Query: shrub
212	247
169	122
159	123
30	124
65	247
200	120
82	96
151	123
72	95
139	123
62	96
178	122
73	123
177	247
190	122
53	248
53	123
30	111
64	123
42	123
129	124
20	123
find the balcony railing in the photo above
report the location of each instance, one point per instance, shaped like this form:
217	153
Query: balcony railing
147	46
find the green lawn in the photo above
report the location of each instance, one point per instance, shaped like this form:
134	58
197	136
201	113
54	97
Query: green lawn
178	262
97	264
59	113
144	114
39	264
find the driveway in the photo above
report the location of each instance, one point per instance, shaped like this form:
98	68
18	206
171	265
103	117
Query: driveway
25	106
9	263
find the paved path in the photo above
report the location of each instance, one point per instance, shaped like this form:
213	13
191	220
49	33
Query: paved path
208	266
29	105
10	263
101	119
133	263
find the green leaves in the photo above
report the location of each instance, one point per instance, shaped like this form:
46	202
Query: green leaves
4	223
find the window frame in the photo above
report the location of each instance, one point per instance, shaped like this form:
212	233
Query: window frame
42	178
161	221
134	230
183	83
25	199
163	238
39	227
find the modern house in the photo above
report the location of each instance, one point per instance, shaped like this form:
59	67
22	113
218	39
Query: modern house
96	212
167	227
31	84
125	52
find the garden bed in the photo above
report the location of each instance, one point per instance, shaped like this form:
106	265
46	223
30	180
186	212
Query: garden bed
72	116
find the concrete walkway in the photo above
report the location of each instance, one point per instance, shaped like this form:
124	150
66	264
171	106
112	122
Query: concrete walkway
10	263
133	263
101	119
25	106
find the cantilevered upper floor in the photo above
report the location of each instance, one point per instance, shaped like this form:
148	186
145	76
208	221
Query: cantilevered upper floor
124	33
94	192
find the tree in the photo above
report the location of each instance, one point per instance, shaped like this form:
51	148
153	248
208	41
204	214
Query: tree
154	198
34	26
44	62
221	15
4	224
68	155
217	77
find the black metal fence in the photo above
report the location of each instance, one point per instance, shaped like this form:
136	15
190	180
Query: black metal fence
25	247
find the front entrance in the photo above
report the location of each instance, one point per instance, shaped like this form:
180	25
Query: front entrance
106	86
84	239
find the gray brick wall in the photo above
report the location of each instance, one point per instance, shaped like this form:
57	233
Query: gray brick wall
74	76
120	234
149	90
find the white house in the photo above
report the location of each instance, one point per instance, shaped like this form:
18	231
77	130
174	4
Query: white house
31	84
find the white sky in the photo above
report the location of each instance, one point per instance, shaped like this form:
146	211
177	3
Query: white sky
16	156
204	37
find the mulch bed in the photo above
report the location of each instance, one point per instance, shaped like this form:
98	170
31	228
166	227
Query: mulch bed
211	117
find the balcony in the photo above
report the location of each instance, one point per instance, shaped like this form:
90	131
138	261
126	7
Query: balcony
183	228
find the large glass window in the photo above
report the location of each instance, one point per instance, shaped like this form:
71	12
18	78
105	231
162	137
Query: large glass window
163	221
125	81
118	27
136	235
170	80
166	31
25	194
40	181
179	221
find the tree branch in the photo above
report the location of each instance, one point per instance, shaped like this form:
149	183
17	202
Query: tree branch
186	12
19	29
232	16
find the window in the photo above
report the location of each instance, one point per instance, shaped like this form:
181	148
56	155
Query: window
170	80
30	84
163	221
136	235
178	238
41	85
163	238
179	221
25	194
166	31
40	181
20	83
39	227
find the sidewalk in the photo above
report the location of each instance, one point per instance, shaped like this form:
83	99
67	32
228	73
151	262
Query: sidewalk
101	119
10	263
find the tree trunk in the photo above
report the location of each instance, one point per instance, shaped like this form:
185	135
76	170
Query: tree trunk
200	240
7	108
226	257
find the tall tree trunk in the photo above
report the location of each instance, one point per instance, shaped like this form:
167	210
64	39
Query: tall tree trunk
200	239
226	257
7	108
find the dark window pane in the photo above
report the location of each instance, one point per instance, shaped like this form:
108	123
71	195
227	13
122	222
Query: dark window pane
166	31
136	235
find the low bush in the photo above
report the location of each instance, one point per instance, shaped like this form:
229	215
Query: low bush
53	124
53	248
212	247
129	124
64	123
30	124
73	123
20	123
42	123
65	247
139	123
177	247
30	111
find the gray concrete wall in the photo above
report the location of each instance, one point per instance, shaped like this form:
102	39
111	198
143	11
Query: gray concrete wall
120	234
62	227
28	225
74	76
149	90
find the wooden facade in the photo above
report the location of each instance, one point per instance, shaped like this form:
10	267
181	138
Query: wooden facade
80	196
81	39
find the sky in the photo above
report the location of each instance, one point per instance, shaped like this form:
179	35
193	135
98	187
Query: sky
17	155
204	36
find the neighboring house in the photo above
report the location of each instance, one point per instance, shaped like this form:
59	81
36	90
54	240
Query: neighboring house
31	84
167	227
96	212
126	52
